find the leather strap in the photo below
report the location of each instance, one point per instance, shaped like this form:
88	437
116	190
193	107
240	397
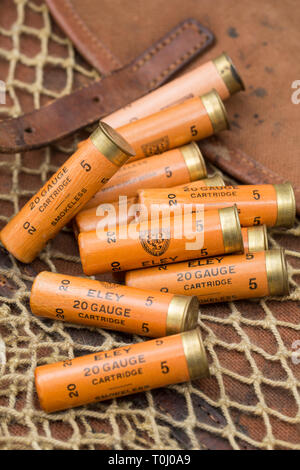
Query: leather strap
85	41
85	106
239	165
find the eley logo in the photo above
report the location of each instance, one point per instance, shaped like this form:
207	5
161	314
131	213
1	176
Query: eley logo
2	92
156	244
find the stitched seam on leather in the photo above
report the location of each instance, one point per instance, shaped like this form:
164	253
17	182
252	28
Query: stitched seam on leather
165	43
153	52
93	38
176	64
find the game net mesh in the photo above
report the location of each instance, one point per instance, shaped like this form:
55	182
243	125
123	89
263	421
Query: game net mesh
251	400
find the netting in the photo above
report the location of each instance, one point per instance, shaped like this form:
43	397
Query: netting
252	398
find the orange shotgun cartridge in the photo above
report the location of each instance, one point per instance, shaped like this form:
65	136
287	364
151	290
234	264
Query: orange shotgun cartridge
177	166
123	371
219	279
65	193
219	74
255	238
161	242
194	119
257	204
112	306
119	213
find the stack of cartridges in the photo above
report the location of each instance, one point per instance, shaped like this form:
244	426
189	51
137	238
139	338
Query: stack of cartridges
141	203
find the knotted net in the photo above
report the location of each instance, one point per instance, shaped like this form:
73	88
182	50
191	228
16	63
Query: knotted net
252	399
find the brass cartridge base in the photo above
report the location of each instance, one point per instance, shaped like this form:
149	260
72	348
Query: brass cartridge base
213	181
257	238
194	161
229	73
277	273
195	354
286	204
231	228
216	111
182	314
111	144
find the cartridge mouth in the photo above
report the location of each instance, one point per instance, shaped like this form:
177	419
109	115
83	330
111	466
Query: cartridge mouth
194	161
286	205
182	314
111	144
229	73
277	273
213	181
216	111
195	354
231	229
257	238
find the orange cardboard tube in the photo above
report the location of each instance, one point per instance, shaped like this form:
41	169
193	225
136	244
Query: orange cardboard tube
194	119
257	204
123	371
65	193
177	166
163	241
219	74
112	306
219	279
119	213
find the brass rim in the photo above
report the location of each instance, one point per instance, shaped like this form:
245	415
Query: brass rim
111	144
286	205
228	72
194	161
216	111
277	273
182	314
257	238
214	181
195	354
231	229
